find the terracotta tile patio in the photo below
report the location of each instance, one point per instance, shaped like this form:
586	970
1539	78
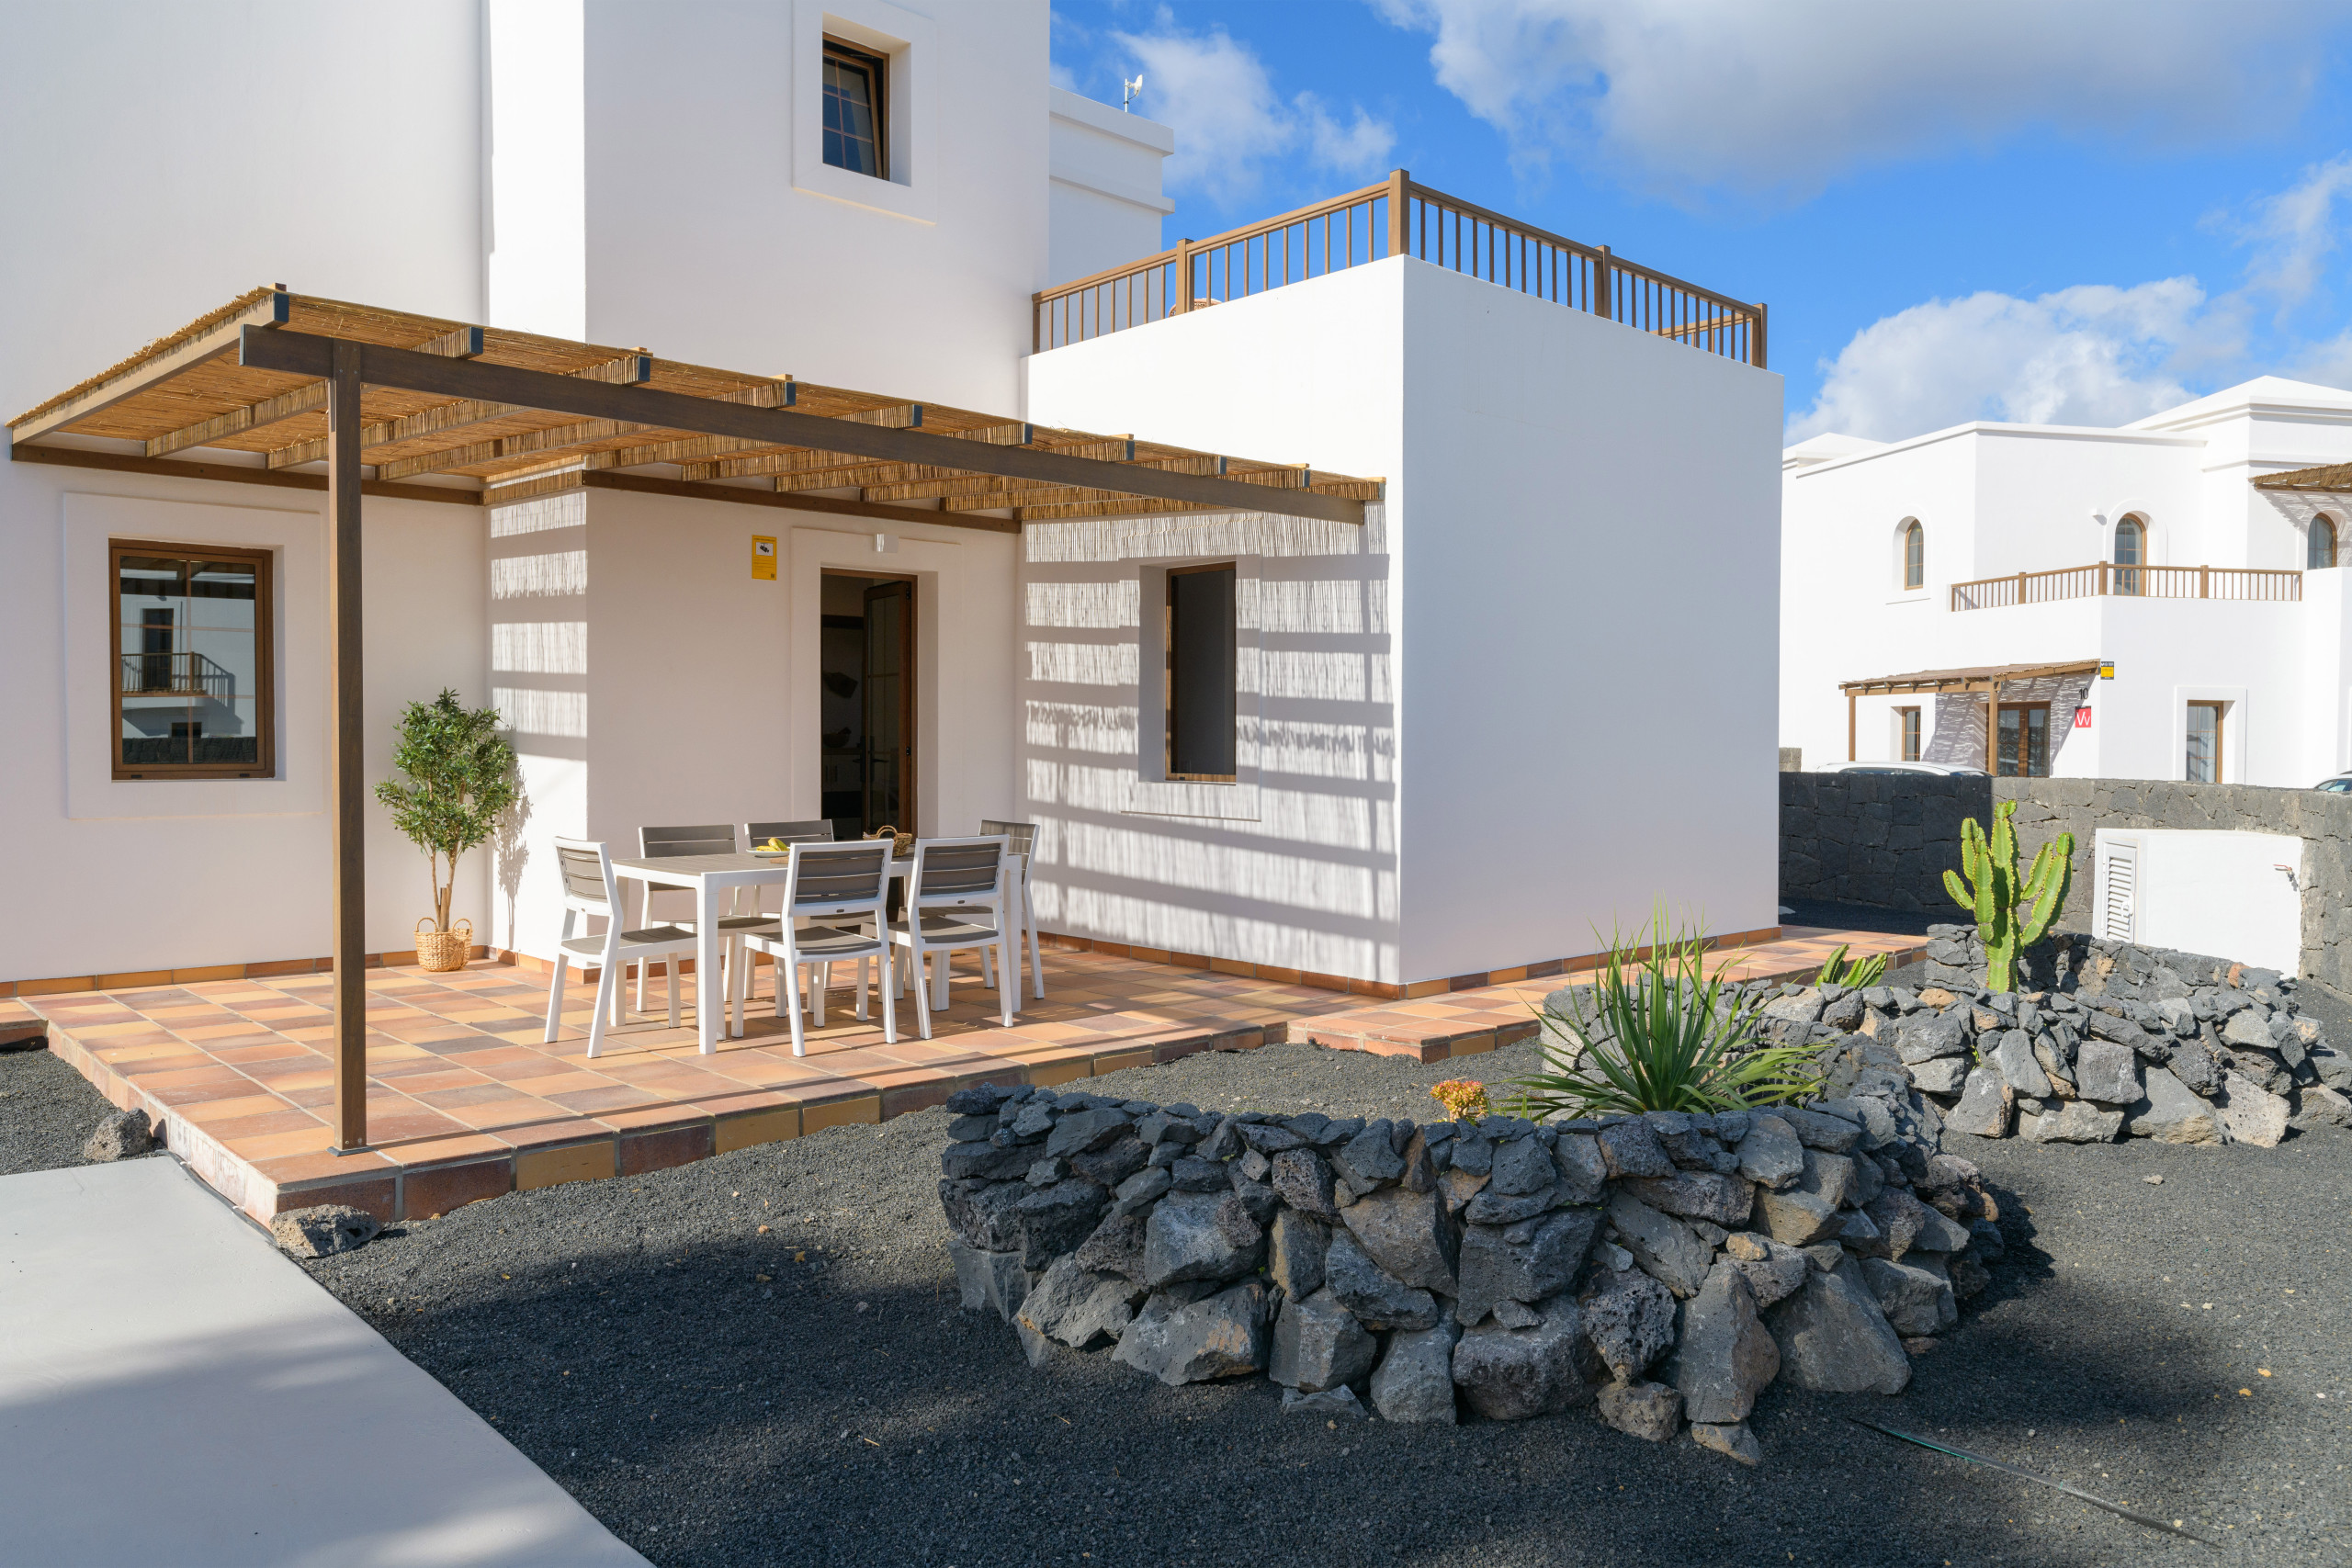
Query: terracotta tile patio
465	1101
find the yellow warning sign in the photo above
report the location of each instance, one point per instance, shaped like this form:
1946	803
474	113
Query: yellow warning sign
763	557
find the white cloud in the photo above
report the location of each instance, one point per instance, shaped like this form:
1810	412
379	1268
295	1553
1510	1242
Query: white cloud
1230	123
1777	99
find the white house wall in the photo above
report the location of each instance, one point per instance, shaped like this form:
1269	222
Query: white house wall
1106	199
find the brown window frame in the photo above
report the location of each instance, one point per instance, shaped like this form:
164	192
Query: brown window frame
2024	729
1915	571
2325	541
265	764
1168	673
877	75
1908	732
2220	721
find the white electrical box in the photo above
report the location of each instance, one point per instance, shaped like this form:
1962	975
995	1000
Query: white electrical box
2223	895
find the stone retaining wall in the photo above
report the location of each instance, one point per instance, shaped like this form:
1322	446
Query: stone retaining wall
1659	1270
1886	840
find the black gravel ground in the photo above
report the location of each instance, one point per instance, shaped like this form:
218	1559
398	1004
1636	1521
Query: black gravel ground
47	1112
760	1358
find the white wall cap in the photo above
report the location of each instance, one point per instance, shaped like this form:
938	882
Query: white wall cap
1067	105
2264	393
1989	428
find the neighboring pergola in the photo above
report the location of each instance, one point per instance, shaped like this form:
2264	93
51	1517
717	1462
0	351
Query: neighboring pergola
1987	679
450	413
2329	478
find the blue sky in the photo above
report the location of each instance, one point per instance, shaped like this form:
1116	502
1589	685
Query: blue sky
2075	213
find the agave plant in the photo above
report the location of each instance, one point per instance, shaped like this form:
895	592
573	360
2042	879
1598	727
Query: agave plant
1658	1035
1858	976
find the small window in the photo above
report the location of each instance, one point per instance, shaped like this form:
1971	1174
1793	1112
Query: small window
1202	711
194	687
1914	555
2320	553
2130	550
856	94
2025	741
2204	743
1907	733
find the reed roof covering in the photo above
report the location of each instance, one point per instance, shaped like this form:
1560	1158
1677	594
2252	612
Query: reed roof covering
1974	677
193	391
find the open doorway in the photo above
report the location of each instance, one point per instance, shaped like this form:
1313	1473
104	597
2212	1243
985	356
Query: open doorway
868	706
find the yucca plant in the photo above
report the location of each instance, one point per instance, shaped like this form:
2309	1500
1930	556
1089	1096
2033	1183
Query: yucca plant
1858	976
1659	1036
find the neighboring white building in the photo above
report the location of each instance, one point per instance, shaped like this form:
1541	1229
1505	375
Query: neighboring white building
1501	715
2194	553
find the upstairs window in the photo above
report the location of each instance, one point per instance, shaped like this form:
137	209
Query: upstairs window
2320	553
1914	555
2130	550
193	687
1203	712
855	93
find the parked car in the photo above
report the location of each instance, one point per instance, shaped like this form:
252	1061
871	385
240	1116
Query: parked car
1936	770
2340	784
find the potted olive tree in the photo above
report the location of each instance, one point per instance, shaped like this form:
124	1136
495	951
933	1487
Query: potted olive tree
460	779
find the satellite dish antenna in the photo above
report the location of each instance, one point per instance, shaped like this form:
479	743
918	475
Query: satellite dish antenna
1134	91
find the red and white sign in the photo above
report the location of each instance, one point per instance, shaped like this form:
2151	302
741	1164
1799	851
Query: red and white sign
2082	718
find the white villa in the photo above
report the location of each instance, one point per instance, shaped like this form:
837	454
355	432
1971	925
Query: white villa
1484	703
2161	601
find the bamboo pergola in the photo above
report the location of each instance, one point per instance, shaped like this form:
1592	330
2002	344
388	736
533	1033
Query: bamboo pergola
290	390
1987	679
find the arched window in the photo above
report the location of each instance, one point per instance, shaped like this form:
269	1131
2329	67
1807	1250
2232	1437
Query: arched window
2130	550
1914	555
2320	554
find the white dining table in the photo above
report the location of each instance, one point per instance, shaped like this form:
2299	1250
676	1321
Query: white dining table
713	880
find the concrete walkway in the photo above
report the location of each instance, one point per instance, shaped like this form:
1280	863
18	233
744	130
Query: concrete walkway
174	1391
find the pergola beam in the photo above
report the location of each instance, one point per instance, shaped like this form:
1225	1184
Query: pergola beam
629	370
305	354
462	344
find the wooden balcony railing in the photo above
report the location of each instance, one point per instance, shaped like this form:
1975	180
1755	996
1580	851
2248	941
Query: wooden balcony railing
175	674
2243	584
1398	218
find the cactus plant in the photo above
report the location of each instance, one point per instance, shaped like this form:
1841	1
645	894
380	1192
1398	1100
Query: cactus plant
2011	914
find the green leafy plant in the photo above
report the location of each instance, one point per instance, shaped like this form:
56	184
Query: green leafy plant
1858	976
459	781
2012	914
1659	1035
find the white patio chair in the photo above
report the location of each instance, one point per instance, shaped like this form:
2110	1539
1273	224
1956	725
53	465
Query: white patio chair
830	880
743	916
1021	842
957	897
591	888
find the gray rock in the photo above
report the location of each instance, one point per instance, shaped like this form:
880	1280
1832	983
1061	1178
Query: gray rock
1086	1131
1629	1317
1726	1356
1512	1374
1333	1404
1302	1180
1833	1338
1663	1246
1252	1165
1924	1037
1031	1120
1414	1381
1409	1234
1793	1012
975	1162
2249	1030
984	1213
1223	1335
1165	1126
1770	1153
1516	1315
1296	1246
2075	1122
1369	1159
1522	1166
1257	1199
1984	1104
1734	1441
1378	1300
1831	1134
1492	1208
1543	1259
1774	1269
1199	1237
1141	1190
1056	1219
1459	1186
1915	1300
1797	1217
2169	1114
321	1230
1632	1149
2014	1057
1078	1308
1641	1409
2251	1114
1223	1141
1701	1195
1265	1138
1583	1173
1943	1075
2108	1072
1115	1246
1319	1344
1191	1173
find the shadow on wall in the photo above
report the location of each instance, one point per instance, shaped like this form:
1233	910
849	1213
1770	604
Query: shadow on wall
1886	840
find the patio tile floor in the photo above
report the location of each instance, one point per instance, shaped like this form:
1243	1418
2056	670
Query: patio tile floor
466	1101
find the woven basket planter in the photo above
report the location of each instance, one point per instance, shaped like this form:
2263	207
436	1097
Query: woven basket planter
440	951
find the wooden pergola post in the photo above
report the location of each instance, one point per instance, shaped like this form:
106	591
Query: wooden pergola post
345	781
1993	727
